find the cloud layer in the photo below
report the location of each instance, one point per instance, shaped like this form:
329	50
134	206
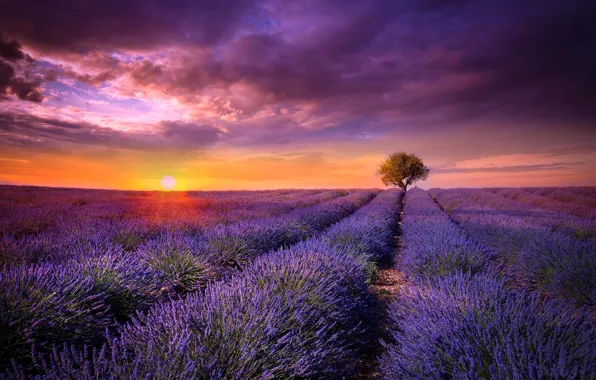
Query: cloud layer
46	134
25	87
262	78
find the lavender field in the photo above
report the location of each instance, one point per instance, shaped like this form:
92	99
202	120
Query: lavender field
495	283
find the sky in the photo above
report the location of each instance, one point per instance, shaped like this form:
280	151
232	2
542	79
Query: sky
224	94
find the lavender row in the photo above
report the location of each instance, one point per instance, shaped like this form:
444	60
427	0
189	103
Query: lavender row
563	195
586	191
26	210
370	231
459	319
294	313
239	243
187	263
474	326
57	230
534	252
520	195
496	207
472	203
435	246
41	305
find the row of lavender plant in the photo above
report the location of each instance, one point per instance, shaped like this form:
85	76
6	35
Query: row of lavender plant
553	259
187	263
587	191
563	194
482	201
294	313
75	301
520	195
59	230
28	211
459	319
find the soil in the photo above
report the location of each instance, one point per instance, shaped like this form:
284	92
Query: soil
385	287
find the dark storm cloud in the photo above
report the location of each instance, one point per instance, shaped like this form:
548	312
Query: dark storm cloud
29	131
455	60
199	134
458	59
147	73
10	49
80	26
27	90
11	83
540	65
6	76
93	80
50	76
24	89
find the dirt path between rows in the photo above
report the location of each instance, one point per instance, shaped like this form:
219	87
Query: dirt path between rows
385	287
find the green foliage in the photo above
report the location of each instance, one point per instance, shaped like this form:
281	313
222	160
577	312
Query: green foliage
31	227
372	272
231	250
182	269
80	202
402	170
584	234
129	240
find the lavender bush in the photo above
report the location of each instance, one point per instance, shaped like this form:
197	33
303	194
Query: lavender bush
277	285
536	249
287	315
125	282
586	191
74	301
547	203
433	245
560	265
239	243
294	313
180	260
41	224
370	230
170	264
468	326
563	195
464	321
47	304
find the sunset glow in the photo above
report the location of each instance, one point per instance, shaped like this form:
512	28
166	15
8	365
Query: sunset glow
168	182
261	94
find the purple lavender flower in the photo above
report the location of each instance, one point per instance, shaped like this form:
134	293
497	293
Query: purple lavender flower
538	247
47	303
475	327
435	246
293	313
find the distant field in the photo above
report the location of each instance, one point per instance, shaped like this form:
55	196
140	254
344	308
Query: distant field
494	283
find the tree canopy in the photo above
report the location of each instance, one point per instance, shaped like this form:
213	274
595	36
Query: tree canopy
402	170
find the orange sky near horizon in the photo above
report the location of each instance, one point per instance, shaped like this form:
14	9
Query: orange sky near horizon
262	172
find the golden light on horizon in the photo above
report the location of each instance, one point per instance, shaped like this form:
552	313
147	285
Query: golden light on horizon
168	182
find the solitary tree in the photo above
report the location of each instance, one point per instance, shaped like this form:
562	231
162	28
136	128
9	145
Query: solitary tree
402	169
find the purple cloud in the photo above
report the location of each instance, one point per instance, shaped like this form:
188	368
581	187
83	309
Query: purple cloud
10	49
47	134
458	59
273	74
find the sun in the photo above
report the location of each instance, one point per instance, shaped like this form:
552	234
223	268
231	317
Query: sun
168	182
